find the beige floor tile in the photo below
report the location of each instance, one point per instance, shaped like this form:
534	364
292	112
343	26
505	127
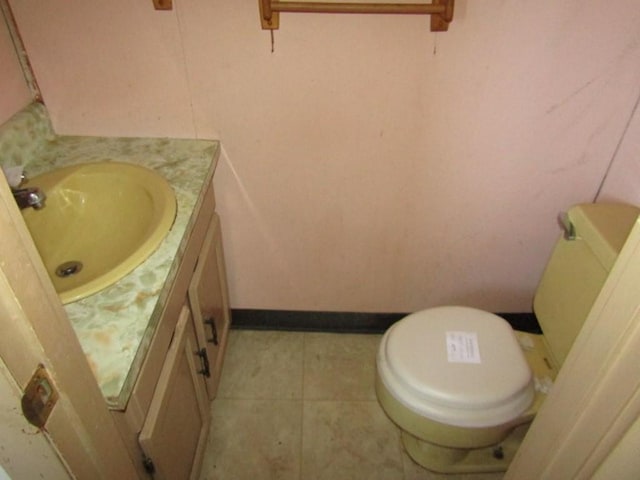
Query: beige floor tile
339	366
254	440
301	406
262	365
349	441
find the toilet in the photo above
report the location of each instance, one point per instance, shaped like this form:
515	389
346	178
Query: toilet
463	386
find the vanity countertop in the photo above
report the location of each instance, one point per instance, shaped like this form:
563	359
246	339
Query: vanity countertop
115	325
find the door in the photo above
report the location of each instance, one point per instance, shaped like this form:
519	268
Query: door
174	434
35	330
209	303
26	451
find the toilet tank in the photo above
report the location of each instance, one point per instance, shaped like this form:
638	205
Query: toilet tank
577	270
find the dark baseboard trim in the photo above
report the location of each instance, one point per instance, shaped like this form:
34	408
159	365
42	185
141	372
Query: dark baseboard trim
343	322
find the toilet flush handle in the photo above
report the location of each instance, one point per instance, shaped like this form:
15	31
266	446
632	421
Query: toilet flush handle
567	226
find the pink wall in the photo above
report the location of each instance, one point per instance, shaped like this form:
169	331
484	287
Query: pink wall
622	182
368	164
14	91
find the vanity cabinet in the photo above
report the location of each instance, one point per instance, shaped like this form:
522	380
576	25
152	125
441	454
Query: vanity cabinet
166	420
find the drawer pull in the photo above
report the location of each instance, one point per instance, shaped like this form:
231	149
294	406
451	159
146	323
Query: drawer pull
202	353
214	332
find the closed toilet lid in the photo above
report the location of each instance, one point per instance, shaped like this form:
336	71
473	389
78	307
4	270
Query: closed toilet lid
456	365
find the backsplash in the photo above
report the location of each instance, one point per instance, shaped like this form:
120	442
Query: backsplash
24	135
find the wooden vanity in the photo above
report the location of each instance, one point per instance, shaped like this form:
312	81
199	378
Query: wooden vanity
166	420
155	340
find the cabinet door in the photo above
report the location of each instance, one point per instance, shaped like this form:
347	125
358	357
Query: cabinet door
174	434
209	302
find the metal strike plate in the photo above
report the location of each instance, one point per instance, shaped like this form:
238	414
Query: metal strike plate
39	398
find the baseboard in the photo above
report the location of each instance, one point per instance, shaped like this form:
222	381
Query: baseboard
343	322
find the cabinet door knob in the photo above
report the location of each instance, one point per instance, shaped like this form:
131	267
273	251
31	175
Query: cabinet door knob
214	332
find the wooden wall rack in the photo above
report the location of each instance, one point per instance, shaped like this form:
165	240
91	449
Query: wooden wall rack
441	11
163	4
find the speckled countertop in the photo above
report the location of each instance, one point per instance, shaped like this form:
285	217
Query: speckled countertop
115	326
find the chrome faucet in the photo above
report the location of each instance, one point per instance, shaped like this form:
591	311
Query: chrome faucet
29	197
25	197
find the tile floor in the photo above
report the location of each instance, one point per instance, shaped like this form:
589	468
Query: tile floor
302	406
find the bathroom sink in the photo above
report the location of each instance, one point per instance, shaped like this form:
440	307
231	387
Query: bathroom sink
99	222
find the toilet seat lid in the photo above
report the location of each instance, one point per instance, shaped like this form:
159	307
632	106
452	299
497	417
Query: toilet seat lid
457	365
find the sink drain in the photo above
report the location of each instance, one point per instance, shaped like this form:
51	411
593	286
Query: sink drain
67	269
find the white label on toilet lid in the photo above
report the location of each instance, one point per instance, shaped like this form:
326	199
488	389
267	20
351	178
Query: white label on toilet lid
462	347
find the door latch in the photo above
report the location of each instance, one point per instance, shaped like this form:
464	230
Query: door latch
39	398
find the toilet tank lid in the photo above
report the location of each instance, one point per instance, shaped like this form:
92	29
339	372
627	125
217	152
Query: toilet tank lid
604	227
457	365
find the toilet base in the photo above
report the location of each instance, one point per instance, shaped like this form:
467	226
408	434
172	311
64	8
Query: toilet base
494	458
